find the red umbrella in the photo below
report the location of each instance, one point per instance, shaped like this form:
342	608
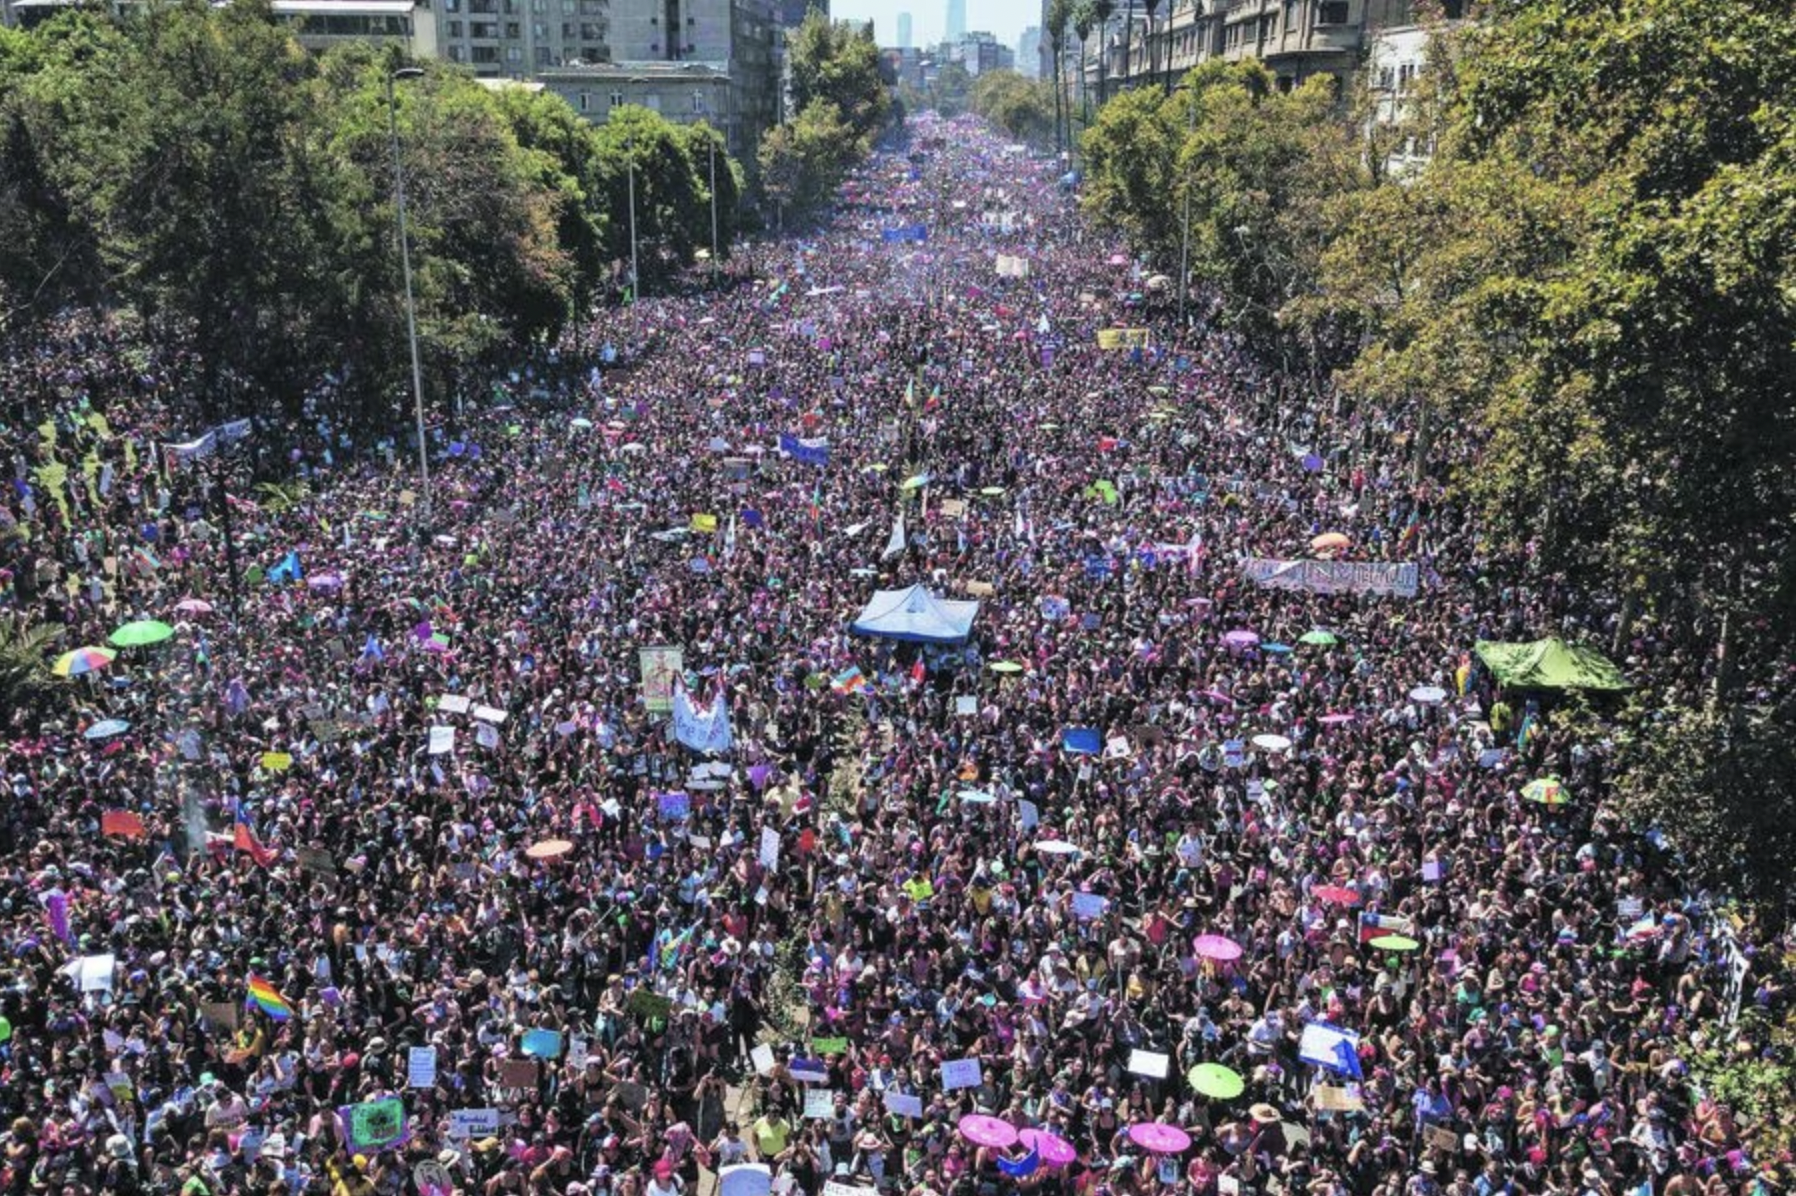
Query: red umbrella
1339	894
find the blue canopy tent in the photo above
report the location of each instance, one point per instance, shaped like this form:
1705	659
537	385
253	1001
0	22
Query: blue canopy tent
915	616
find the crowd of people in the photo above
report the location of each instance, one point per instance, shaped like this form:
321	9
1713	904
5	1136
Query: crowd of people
383	871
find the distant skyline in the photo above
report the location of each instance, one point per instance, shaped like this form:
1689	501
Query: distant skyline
1003	19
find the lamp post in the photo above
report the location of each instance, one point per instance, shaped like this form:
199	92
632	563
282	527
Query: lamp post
405	262
712	143
635	273
1185	222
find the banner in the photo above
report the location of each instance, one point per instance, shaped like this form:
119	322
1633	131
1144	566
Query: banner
662	666
1011	266
705	731
1122	338
808	451
905	232
1335	577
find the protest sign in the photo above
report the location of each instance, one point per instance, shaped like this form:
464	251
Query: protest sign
961	1073
1149	1063
473	1123
421	1067
819	1103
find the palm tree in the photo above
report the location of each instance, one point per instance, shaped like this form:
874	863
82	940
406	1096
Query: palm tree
1102	12
1060	15
25	678
1084	17
1128	34
1151	7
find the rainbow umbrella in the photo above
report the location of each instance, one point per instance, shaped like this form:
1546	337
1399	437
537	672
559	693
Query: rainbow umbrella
82	661
1216	1081
1547	791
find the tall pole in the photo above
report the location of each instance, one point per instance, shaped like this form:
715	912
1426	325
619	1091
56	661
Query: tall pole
411	303
1185	223
714	261
635	273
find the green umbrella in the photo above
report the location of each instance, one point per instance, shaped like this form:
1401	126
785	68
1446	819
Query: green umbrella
992	491
1216	1081
1320	637
141	633
1005	666
915	482
1548	791
1395	942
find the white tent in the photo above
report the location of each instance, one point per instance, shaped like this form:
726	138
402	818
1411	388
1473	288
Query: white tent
916	616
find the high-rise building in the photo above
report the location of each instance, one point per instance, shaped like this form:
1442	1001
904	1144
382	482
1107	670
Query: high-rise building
792	12
1028	52
904	31
957	20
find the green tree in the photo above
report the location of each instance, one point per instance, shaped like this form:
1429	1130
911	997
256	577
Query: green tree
839	63
1022	107
804	160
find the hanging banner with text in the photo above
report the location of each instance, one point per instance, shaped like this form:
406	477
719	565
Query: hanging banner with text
1336	577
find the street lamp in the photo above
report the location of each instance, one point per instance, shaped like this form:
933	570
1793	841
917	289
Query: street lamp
711	142
405	262
1185	223
635	273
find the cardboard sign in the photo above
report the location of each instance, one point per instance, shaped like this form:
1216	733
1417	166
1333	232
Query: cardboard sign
1331	1099
1439	1137
316	860
223	1015
453	704
126	824
961	1073
517	1073
762	1058
633	1095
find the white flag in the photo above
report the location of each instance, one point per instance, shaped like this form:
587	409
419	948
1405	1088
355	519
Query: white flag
895	543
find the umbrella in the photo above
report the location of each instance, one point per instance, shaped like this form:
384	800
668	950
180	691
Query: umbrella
1159	390
991	491
1216	947
1056	847
1271	743
1546	790
1329	542
549	849
1338	894
194	606
1276	649
580	422
82	660
1158	282
915	482
1055	1151
325	581
107	728
1428	695
1394	942
982	1130
1241	638
1005	666
1117	259
1156	1137
1216	1081
1319	637
1335	719
141	633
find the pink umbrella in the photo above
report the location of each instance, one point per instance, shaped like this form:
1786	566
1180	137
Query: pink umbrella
1216	695
1117	259
1216	947
1054	1151
1335	720
1156	1137
1241	638
194	606
1339	894
982	1130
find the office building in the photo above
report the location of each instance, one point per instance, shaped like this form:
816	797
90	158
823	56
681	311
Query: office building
1028	53
957	20
904	31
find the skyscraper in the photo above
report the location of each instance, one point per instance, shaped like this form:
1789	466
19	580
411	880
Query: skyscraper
957	21
904	31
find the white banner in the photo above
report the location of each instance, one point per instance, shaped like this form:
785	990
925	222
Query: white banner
1335	577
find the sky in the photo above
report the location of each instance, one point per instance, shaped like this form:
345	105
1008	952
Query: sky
1004	19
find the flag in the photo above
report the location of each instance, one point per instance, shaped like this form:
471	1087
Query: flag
371	649
673	946
56	913
244	839
1020	1168
704	523
848	681
1524	733
910	393
895	543
918	672
288	570
262	995
1330	1047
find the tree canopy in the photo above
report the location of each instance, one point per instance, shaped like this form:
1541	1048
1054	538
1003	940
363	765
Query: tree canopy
194	164
842	104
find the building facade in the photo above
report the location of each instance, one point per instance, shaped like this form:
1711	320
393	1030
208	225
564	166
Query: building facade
904	31
957	21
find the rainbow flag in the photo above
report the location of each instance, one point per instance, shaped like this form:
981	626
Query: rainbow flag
263	996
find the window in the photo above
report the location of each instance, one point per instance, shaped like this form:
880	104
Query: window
698	102
486	54
511	30
456	54
617	99
539	30
567	31
1406	74
1332	12
1385	80
591	33
483	29
585	101
454	28
544	57
652	101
